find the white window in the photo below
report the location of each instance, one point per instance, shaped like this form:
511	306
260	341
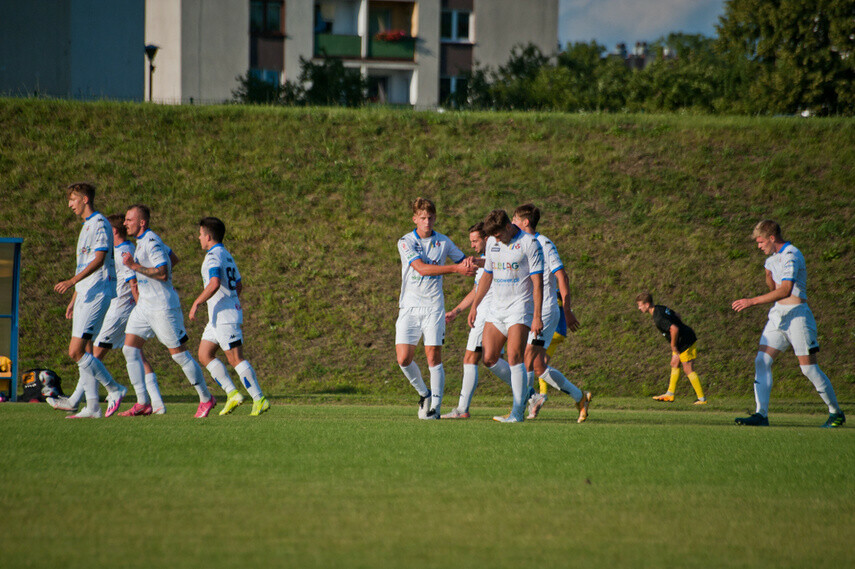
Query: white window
456	25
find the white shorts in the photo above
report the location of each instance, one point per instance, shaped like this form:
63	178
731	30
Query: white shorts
112	333
414	322
227	336
167	325
791	325
88	316
517	313
550	325
476	333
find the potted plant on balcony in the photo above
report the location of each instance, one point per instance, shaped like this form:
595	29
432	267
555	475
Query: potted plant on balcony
391	35
392	44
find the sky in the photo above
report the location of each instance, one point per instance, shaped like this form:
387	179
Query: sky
612	21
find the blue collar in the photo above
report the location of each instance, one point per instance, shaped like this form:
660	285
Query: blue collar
416	233
215	246
94	213
784	246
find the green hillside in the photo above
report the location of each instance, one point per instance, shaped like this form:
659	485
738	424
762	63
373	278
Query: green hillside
315	199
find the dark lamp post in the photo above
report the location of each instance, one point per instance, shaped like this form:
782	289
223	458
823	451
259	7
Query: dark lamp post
150	52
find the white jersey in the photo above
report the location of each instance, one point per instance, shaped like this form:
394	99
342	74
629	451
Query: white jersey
551	264
124	294
512	266
96	235
419	291
788	264
486	302
154	294
224	306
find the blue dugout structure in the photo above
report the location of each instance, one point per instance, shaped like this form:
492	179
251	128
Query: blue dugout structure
10	286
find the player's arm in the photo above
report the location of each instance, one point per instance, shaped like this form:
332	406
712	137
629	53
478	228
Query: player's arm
464	267
209	291
239	287
94	265
774	295
173	258
537	293
564	290
464	304
135	289
160	273
69	310
483	287
675	353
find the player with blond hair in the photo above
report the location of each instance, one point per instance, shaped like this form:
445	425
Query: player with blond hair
790	323
421	304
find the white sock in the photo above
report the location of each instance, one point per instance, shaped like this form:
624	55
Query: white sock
470	382
529	381
90	385
437	386
823	386
246	373
153	390
518	384
414	376
763	381
557	380
136	372
77	396
193	371
96	369
502	370
221	375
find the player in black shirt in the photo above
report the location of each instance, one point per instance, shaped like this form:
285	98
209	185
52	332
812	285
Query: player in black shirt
682	340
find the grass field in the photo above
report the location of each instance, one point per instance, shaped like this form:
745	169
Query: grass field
372	486
315	200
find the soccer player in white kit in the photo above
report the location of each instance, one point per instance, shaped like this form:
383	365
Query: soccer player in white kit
157	313
555	280
514	269
112	332
94	285
791	323
223	285
422	304
472	355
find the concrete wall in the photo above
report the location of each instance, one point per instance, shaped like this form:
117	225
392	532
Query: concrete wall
299	35
502	24
163	29
72	48
204	47
426	77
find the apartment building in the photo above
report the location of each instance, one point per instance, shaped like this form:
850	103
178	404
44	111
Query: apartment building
74	49
412	52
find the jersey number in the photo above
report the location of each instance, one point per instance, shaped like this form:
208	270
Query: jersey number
231	281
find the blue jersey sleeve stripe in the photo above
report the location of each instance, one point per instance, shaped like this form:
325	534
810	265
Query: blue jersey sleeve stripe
214	272
129	279
160	265
788	279
101	249
557	269
536	273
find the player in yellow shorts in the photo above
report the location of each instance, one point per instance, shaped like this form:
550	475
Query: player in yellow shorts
682	340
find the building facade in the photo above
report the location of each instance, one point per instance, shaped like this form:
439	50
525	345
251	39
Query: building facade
80	49
412	52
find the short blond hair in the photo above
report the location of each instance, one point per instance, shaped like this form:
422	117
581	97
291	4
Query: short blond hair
767	228
423	204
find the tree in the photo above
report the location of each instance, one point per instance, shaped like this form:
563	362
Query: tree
325	83
801	55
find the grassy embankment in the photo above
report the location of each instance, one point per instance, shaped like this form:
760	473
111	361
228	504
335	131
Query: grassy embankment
315	200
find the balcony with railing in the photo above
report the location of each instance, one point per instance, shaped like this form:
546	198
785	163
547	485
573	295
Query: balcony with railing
365	30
